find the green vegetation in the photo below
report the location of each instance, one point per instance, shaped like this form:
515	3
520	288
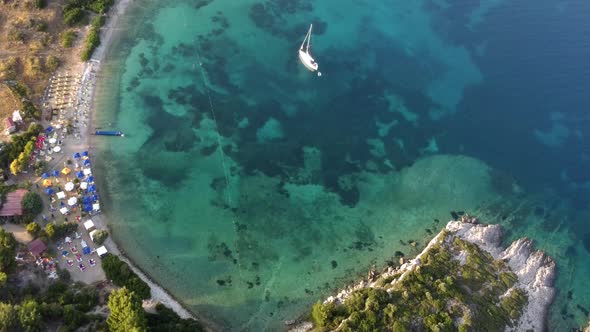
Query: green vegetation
100	236
167	320
126	312
442	294
56	231
122	275
93	38
66	38
17	150
33	228
29	110
7	251
32	204
75	10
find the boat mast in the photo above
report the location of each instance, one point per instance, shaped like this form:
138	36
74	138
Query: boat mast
306	39
309	39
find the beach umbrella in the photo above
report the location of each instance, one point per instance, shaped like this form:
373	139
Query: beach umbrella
86	250
55	173
87	208
84	185
64	253
85	154
76	155
86	200
90	179
45	175
56	148
66	171
63	210
52	140
69	186
86	162
47	183
95	197
61	195
49	191
96	206
72	201
80	174
87	171
49	129
92	188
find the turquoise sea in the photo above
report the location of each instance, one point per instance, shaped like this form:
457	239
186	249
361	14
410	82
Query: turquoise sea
250	188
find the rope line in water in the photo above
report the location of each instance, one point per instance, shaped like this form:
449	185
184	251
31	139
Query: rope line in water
226	172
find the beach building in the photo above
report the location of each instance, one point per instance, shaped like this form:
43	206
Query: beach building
36	247
10	126
89	225
12	207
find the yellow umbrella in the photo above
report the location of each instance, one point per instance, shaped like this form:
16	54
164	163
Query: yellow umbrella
47	183
66	171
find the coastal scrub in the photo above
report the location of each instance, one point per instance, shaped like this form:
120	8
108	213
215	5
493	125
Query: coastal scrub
456	286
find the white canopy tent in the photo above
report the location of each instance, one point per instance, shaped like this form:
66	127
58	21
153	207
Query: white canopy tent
72	201
96	207
92	234
63	210
89	225
101	251
61	195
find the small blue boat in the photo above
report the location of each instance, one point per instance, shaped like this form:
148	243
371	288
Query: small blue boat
108	133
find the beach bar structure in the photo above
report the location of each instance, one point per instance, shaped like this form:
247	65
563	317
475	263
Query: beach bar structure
36	247
89	225
101	251
12	207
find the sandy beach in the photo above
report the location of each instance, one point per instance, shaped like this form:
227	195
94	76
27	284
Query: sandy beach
84	143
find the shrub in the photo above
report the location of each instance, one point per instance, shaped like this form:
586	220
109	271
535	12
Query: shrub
66	38
73	16
33	229
51	63
121	275
40	4
100	236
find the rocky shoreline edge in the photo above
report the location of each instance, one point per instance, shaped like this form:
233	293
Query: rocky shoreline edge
535	270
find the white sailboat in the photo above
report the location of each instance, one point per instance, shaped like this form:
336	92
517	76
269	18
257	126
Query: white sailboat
304	55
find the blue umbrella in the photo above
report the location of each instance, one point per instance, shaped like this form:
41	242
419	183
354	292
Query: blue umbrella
85	154
95	197
49	129
55	173
87	208
87	200
77	155
86	250
49	191
65	252
91	178
80	174
86	162
92	189
45	175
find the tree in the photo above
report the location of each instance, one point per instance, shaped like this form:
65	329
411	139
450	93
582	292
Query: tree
50	230
15	167
29	315
126	312
33	228
7	317
7	251
32	203
3	278
100	236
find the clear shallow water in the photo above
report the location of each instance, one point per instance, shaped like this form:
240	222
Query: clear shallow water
312	180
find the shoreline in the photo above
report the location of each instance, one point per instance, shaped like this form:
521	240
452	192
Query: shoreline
159	293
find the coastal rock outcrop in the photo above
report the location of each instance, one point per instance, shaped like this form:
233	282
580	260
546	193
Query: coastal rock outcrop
517	280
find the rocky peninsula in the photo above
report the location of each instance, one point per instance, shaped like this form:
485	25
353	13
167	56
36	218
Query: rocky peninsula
463	280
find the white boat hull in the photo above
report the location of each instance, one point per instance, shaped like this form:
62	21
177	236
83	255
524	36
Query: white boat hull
308	61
